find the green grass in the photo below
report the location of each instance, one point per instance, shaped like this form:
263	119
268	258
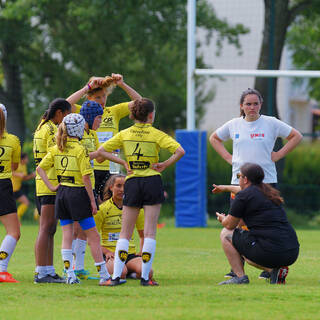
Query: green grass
188	265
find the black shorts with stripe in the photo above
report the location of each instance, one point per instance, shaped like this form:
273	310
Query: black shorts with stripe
72	203
7	202
140	191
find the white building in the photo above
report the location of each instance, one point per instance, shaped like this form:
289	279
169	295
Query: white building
293	105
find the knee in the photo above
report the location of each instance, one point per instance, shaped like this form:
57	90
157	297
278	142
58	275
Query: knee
223	234
48	228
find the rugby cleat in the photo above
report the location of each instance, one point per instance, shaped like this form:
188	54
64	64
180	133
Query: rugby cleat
150	282
264	275
236	280
82	274
7	277
71	280
48	279
231	274
278	275
111	282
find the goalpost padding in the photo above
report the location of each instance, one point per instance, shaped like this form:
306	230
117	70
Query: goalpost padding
191	177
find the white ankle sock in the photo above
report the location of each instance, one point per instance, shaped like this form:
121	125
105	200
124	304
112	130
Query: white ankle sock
67	261
120	257
102	269
80	250
148	250
7	247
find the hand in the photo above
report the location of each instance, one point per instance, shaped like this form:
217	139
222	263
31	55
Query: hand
217	189
93	207
96	82
275	156
160	166
127	167
118	78
54	188
109	255
220	216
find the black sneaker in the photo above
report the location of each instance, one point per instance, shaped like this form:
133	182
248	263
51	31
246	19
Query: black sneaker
111	282
278	275
57	278
150	282
231	274
264	275
46	279
236	280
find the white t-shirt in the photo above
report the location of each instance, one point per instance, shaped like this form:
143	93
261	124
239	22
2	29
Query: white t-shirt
253	142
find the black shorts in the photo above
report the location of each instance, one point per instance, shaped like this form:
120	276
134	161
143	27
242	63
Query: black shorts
248	247
7	202
43	200
72	203
101	177
131	256
17	194
143	191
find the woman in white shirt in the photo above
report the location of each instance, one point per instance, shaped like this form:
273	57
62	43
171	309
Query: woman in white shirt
254	136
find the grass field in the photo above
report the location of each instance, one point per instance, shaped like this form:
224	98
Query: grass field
188	265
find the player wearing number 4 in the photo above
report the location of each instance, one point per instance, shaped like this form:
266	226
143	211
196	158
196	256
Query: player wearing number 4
143	187
74	200
10	151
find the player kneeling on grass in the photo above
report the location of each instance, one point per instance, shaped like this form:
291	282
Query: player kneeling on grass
108	220
271	243
74	200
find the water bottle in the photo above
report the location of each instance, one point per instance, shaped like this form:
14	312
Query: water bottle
115	167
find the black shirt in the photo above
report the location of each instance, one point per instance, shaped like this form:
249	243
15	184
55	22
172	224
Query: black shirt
266	221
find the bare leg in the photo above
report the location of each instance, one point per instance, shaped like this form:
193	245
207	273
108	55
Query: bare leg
129	217
231	253
94	243
11	224
151	214
110	264
135	265
257	266
45	241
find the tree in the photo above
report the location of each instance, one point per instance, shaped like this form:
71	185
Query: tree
144	40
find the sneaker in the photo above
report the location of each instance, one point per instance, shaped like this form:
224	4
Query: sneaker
231	274
46	279
264	275
7	277
57	278
111	282
71	280
82	274
278	275
150	282
236	280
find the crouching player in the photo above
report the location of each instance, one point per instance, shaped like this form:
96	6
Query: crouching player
74	200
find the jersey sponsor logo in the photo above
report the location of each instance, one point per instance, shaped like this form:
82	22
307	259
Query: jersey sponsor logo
257	136
146	256
3	255
123	255
66	264
139	165
66	179
113	236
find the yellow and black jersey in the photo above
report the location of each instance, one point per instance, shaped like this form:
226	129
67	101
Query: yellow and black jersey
108	221
70	165
91	142
10	152
110	126
141	144
44	138
17	181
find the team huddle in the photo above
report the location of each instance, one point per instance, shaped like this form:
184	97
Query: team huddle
72	148
76	150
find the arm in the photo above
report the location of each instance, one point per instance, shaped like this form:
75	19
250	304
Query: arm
160	166
229	222
14	166
45	179
76	96
217	145
225	188
87	184
109	254
134	95
18	174
294	139
29	176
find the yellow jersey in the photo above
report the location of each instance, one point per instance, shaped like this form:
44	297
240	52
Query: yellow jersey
91	142
108	221
70	165
44	138
10	152
17	181
141	144
109	127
